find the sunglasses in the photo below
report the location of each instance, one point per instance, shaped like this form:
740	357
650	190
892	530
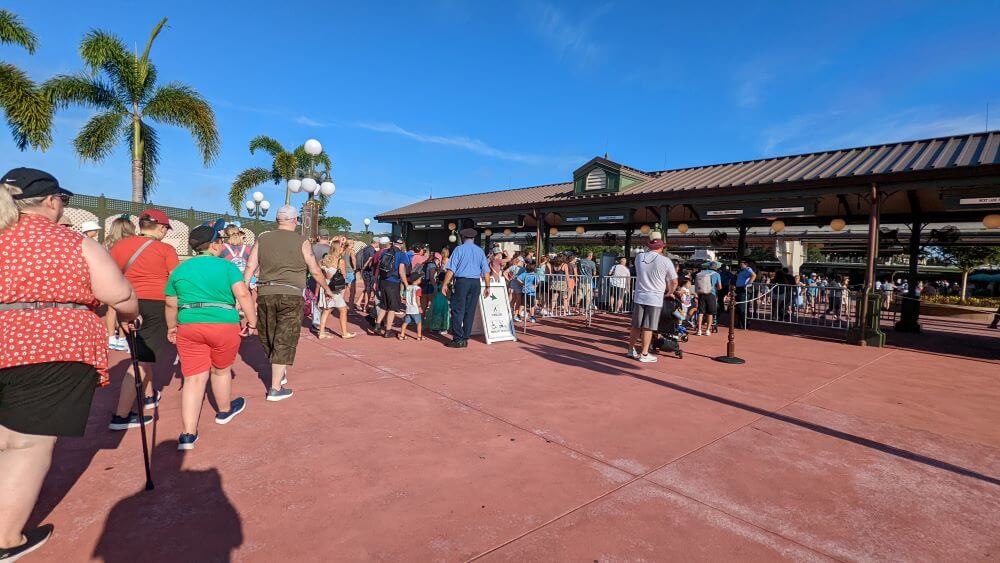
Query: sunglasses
63	198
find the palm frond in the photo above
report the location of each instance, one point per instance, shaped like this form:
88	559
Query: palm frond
265	143
145	70
181	105
285	164
13	32
150	156
81	89
306	160
96	140
28	112
101	50
244	182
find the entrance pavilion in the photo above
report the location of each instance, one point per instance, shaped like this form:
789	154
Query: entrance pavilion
947	180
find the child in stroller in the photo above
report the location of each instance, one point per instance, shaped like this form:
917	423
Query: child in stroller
671	332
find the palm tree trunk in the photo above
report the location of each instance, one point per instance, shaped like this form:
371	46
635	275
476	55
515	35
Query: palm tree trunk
137	195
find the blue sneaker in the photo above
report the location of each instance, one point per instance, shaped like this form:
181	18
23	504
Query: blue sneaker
278	394
126	422
150	403
236	406
186	441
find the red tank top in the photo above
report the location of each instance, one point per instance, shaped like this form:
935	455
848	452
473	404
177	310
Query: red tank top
41	261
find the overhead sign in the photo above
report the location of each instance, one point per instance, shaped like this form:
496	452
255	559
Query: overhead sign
424	225
493	316
757	211
972	201
499	222
614	216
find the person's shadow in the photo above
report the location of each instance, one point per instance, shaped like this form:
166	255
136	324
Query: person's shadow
186	518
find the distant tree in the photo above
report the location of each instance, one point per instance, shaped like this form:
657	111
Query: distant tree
121	86
968	258
28	112
335	224
814	254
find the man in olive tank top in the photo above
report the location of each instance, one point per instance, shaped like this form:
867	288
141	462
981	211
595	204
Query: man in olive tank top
282	259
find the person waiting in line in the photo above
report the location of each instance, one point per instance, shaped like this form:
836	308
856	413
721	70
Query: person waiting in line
429	280
350	272
146	262
467	266
655	277
413	310
334	266
120	228
90	229
542	272
620	285
743	279
529	292
707	284
393	267
203	298
366	266
54	345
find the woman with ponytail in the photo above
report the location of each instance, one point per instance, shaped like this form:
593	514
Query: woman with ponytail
53	346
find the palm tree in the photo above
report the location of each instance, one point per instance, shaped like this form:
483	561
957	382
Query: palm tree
28	113
285	165
121	86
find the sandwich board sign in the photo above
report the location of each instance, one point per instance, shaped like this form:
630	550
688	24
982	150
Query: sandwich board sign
493	316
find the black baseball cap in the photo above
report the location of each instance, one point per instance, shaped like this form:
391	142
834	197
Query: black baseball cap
398	240
34	183
206	233
468	233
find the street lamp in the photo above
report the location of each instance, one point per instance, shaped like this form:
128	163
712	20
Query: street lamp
368	223
257	206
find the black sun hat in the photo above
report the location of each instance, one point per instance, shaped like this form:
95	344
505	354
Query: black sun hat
34	183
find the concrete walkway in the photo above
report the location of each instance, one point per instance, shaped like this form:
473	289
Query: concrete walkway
555	448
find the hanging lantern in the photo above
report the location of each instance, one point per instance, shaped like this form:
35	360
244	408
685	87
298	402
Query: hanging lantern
553	231
452	238
778	226
451	226
644	229
507	232
488	232
838	224
655	235
682	228
992	221
580	230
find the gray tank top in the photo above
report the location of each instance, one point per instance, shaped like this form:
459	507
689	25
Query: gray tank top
282	269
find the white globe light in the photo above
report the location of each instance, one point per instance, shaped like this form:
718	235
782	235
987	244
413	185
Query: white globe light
313	147
327	188
294	185
838	224
452	238
580	230
682	228
367	221
249	205
778	226
258	197
265	205
309	185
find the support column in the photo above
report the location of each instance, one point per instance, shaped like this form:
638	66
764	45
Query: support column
910	307
741	243
866	331
539	231
628	241
664	224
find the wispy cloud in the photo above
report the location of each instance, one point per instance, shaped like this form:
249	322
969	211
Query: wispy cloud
780	134
571	39
303	120
750	82
464	143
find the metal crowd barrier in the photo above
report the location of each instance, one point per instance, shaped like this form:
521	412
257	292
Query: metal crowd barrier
831	307
560	295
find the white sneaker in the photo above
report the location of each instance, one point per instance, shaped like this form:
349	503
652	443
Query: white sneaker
647	359
699	333
632	353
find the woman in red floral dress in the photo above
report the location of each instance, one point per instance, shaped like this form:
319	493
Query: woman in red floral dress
53	347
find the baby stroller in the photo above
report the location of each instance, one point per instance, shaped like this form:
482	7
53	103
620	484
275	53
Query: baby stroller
670	334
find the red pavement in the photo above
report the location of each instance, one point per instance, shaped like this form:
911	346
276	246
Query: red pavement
556	448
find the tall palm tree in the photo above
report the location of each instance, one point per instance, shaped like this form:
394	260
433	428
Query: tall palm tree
122	87
285	165
28	113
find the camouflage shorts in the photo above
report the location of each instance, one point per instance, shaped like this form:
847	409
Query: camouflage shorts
279	322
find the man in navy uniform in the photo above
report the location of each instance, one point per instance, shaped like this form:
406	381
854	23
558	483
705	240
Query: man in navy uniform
467	266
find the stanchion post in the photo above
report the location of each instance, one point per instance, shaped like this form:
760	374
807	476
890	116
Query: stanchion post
730	357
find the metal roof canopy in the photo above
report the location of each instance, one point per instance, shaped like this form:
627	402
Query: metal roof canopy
931	177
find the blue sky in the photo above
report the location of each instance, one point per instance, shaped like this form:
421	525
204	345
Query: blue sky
450	97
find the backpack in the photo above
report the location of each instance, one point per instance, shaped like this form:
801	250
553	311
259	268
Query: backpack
337	281
703	282
387	263
238	258
419	269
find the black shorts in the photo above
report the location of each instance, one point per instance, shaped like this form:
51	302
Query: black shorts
151	338
389	297
50	399
708	304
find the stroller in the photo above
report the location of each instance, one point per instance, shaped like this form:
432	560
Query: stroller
671	333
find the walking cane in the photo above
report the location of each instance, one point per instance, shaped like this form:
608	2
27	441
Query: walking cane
130	336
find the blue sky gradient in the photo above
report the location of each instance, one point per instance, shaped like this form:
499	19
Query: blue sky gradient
448	97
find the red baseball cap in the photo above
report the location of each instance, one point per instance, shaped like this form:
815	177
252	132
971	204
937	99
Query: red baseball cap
656	244
156	216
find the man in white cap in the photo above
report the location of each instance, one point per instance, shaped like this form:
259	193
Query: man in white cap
90	229
281	259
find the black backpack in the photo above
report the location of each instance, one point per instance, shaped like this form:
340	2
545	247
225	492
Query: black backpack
387	263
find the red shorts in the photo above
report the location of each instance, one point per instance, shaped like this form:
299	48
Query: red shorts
203	346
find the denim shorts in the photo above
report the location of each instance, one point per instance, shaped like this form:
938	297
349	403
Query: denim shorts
349	278
414	318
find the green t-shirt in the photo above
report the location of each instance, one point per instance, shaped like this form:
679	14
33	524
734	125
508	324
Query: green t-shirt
205	279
